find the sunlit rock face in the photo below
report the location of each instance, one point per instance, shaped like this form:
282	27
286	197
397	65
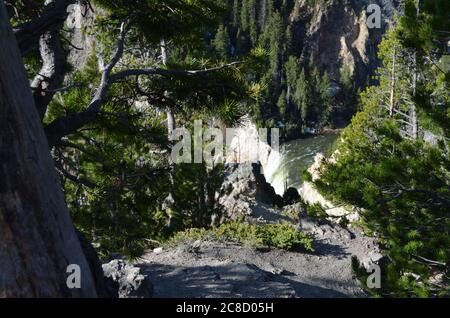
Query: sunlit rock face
249	159
243	193
248	144
335	34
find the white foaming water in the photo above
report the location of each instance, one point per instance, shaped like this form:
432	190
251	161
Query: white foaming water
283	170
271	171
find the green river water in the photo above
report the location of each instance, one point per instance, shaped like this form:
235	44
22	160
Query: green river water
296	155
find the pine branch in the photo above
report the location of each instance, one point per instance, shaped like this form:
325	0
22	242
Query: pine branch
165	72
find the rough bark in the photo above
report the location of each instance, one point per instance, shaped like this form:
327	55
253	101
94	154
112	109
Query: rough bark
51	75
37	237
171	122
412	110
105	286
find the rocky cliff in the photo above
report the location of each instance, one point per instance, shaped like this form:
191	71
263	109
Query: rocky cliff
335	34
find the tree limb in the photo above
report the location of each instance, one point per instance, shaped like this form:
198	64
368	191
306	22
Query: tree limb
27	34
164	72
68	125
53	70
74	178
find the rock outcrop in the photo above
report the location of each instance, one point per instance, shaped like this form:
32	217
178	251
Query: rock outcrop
80	23
243	191
128	279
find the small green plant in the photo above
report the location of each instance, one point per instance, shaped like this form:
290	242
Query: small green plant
189	235
316	210
292	214
283	236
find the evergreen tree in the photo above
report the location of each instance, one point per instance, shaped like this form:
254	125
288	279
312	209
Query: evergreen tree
316	101
222	42
253	26
325	99
401	181
302	97
236	13
348	92
245	13
112	155
291	69
282	105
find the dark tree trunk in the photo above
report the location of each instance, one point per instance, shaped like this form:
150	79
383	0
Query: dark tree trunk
28	34
37	237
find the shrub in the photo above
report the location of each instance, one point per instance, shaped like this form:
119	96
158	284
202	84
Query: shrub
316	210
283	236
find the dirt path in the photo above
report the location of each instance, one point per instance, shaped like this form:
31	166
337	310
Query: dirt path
224	269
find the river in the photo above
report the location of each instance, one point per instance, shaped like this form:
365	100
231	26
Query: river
283	170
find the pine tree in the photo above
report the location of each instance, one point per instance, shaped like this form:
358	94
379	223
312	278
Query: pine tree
325	99
348	86
245	13
38	238
222	42
236	13
117	174
275	38
289	40
316	101
399	180
291	69
302	97
282	105
253	26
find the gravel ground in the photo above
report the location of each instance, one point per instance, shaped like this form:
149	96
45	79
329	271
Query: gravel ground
227	270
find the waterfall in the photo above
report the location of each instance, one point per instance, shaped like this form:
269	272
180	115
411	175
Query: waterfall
282	169
274	175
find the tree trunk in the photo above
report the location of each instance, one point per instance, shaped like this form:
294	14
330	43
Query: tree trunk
171	124
37	238
53	70
393	86
412	110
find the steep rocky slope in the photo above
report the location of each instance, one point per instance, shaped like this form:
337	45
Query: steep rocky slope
335	33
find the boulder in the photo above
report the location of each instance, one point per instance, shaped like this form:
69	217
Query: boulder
129	279
374	257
